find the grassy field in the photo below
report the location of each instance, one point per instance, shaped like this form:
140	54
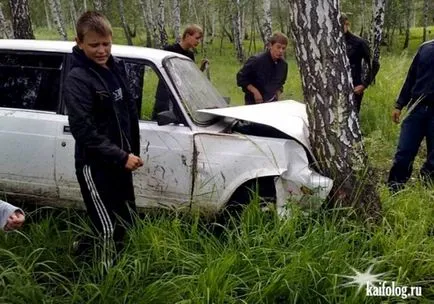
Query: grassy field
176	258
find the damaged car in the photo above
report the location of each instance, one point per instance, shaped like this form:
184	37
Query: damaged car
198	151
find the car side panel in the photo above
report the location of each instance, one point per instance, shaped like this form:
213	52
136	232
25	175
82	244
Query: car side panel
226	161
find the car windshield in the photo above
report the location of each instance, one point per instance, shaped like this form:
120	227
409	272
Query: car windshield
195	89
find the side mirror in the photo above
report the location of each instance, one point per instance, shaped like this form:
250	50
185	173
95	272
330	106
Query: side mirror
167	117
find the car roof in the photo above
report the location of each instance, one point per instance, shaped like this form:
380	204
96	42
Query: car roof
155	55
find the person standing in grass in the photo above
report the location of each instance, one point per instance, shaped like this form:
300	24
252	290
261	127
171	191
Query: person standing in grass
104	122
11	217
357	51
191	38
262	77
417	94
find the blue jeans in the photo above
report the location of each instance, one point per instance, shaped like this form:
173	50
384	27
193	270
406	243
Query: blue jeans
418	125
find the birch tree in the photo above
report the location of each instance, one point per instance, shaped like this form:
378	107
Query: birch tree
6	31
124	22
407	10
236	29
98	5
150	24
266	21
21	22
176	12
56	13
425	18
161	24
47	14
335	135
377	33
73	12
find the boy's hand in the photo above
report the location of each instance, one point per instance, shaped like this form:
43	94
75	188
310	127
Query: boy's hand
133	162
395	115
15	220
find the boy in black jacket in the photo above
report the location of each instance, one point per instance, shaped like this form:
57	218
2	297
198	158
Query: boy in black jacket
262	77
104	122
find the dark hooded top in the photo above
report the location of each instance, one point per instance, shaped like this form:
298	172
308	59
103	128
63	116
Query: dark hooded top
102	115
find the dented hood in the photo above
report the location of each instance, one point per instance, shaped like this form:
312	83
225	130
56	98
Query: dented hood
287	116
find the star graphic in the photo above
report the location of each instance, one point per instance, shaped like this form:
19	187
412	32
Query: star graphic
361	279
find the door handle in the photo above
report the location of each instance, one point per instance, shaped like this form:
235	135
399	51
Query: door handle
67	129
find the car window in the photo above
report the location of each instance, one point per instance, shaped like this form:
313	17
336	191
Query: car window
195	90
30	81
148	90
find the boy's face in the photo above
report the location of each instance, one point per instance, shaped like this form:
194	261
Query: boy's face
346	26
96	47
193	40
277	51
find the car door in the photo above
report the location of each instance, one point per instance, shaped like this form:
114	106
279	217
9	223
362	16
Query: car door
167	151
29	101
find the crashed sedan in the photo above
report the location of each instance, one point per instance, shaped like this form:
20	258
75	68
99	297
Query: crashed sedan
199	152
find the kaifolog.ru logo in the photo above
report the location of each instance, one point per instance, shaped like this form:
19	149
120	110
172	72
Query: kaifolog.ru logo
384	289
375	287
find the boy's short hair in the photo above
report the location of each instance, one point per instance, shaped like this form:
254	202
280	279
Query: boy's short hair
191	30
343	18
92	21
278	37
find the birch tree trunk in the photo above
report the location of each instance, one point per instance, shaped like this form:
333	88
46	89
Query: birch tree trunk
176	20
73	11
21	22
124	22
84	5
150	25
97	5
6	31
266	21
236	29
378	10
56	13
425	18
47	14
335	135
407	8
161	24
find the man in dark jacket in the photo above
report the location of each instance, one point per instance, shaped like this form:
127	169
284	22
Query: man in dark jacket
417	94
262	77
357	51
190	39
104	122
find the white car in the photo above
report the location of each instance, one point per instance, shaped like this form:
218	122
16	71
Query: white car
201	153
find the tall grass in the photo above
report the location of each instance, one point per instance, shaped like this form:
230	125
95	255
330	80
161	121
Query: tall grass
257	258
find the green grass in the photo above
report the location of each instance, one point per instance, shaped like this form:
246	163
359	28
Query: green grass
176	258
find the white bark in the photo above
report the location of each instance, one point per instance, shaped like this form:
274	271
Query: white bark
21	22
124	22
335	134
47	14
378	10
85	5
97	5
161	24
73	11
176	20
266	20
150	24
425	18
6	31
236	29
56	13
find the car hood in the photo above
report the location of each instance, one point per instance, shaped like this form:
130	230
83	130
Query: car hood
287	116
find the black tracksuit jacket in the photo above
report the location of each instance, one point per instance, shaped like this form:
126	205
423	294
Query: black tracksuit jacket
105	130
